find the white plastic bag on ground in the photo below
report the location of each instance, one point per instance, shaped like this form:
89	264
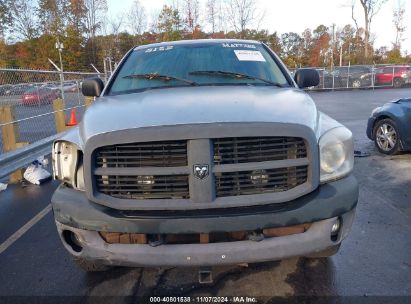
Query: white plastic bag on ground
3	187
35	174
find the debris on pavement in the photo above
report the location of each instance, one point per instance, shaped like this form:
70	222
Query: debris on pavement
3	187
35	173
358	153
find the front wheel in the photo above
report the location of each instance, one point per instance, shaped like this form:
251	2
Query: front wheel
386	137
398	83
356	84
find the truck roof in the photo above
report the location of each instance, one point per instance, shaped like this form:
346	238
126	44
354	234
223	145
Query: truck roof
196	41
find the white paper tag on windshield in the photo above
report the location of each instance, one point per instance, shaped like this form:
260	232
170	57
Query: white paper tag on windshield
243	55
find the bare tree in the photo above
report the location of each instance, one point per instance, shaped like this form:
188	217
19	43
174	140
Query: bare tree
215	15
137	18
398	20
24	21
96	10
5	18
370	8
242	14
191	14
211	10
112	29
353	15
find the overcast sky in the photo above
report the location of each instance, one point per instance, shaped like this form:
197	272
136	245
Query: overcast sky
296	15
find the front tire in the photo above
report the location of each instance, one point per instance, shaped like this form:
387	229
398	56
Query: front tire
356	84
398	83
89	266
386	137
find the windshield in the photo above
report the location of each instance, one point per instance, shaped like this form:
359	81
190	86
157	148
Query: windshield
173	65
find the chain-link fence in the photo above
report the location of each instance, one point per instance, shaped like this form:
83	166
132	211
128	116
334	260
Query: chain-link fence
27	97
28	102
363	76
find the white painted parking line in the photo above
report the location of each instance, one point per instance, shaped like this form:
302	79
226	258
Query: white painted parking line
19	233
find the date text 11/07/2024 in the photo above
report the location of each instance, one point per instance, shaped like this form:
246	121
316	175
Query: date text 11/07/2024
202	299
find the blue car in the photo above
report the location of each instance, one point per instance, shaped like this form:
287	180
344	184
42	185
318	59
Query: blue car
390	126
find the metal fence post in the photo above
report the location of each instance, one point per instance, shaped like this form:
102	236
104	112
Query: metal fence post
8	130
60	117
10	135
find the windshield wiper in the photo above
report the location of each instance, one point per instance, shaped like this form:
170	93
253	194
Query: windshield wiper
235	75
155	76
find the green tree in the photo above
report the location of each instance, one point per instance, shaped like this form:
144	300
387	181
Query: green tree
5	17
24	21
169	24
74	38
320	46
394	57
52	16
291	49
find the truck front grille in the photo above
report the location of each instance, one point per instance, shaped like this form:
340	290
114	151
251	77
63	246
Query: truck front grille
237	166
259	181
149	154
144	187
237	150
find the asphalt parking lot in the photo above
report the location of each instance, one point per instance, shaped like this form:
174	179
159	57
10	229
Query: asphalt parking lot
375	259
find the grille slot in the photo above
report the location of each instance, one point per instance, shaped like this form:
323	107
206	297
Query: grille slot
236	150
149	154
268	181
133	187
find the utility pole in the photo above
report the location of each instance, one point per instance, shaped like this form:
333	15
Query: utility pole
59	47
332	47
341	55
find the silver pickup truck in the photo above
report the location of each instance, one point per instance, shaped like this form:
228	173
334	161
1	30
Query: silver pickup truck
200	153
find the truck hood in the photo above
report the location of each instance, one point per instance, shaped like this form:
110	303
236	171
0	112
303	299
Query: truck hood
198	105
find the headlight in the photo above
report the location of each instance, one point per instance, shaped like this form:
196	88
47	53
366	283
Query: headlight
336	154
67	164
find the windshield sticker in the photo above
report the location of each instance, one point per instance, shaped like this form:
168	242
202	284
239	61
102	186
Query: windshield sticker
159	49
239	45
249	55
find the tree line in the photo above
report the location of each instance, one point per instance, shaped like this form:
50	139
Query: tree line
29	30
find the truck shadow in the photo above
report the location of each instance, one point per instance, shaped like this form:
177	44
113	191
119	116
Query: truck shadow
290	277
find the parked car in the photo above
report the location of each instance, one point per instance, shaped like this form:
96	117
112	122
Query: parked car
52	86
199	153
5	89
390	126
19	89
396	76
351	77
38	96
70	87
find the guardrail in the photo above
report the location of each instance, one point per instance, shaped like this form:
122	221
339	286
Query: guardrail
16	159
35	107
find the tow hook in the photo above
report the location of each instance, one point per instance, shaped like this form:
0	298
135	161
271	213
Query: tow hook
205	276
156	240
255	236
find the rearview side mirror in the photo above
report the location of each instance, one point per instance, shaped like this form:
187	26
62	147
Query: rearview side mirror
306	78
92	87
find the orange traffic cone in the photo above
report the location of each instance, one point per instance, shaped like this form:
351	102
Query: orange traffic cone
73	119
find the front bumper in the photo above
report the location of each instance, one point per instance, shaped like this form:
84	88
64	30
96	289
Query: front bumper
72	208
315	239
74	212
